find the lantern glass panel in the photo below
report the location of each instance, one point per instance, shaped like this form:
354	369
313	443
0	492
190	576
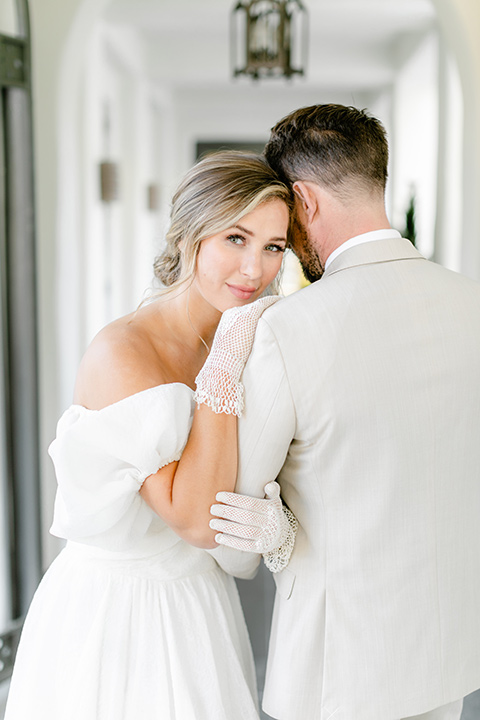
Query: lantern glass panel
9	20
264	34
239	33
296	28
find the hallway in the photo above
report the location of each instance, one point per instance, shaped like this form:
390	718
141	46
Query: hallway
104	105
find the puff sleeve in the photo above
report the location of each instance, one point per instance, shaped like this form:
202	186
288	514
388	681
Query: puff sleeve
102	457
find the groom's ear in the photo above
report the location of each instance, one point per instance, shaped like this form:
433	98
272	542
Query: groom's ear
307	197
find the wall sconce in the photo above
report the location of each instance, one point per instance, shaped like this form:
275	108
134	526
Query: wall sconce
109	177
153	197
269	38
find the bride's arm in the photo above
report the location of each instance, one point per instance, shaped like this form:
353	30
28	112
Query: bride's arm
181	492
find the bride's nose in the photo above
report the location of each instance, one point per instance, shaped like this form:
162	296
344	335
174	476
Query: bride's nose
252	266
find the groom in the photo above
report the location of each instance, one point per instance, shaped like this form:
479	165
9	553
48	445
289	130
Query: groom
362	396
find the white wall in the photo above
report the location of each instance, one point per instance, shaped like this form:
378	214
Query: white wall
94	259
414	140
119	118
59	30
238	112
460	22
449	222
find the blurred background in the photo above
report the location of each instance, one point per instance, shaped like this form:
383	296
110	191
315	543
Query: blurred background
104	105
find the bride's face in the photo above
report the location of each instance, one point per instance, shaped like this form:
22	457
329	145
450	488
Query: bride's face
235	266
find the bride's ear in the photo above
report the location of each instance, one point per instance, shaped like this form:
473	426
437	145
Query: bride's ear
306	198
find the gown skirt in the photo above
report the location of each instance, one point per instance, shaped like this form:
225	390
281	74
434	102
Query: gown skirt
134	639
129	622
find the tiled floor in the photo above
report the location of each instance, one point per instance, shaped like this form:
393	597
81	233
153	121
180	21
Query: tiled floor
3	698
257	597
471	707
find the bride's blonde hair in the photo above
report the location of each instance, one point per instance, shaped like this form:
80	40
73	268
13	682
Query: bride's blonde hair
213	196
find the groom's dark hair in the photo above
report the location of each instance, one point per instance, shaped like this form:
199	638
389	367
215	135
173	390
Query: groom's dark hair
332	145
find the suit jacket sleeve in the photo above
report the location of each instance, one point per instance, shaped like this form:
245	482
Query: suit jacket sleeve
264	434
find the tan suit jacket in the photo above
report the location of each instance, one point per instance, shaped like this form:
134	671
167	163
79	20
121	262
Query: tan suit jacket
363	395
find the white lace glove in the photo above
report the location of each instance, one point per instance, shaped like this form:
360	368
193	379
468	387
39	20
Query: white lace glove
257	525
218	382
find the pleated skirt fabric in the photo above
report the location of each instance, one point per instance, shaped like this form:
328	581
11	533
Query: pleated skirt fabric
121	638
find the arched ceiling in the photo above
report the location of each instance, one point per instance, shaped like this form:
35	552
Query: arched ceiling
354	45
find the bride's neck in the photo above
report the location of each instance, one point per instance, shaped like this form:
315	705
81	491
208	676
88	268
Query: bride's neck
194	319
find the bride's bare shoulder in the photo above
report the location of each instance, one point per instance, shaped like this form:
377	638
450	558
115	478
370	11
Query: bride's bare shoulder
120	361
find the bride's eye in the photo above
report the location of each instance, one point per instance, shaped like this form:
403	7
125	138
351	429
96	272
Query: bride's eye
275	248
236	239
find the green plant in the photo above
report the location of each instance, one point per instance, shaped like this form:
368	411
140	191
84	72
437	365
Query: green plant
410	231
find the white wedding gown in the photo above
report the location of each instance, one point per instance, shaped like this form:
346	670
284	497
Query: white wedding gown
129	622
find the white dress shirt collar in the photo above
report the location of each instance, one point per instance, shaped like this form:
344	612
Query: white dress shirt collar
387	234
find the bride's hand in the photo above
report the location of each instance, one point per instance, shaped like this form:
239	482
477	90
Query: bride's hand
218	382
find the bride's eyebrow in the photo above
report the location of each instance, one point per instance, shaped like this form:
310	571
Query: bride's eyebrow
252	234
242	229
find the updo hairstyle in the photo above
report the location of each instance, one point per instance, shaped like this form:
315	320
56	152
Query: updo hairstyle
213	196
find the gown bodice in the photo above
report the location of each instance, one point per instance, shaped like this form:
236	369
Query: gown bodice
101	459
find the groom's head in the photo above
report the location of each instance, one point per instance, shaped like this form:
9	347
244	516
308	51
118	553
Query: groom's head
335	159
338	147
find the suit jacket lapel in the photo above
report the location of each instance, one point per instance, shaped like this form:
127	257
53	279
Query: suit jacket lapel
376	251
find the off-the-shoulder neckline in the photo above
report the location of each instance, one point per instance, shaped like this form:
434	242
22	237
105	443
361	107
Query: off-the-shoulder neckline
155	388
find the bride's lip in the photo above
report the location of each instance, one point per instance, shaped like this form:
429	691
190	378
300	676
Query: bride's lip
242	291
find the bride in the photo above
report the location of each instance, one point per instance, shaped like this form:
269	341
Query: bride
134	619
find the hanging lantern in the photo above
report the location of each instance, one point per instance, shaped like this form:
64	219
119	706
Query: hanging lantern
269	38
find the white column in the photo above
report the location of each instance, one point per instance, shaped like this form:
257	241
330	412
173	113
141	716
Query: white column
59	33
448	222
460	21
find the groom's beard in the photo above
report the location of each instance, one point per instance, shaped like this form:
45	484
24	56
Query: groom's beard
306	253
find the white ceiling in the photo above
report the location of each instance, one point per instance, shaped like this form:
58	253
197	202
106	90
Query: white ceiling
353	44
